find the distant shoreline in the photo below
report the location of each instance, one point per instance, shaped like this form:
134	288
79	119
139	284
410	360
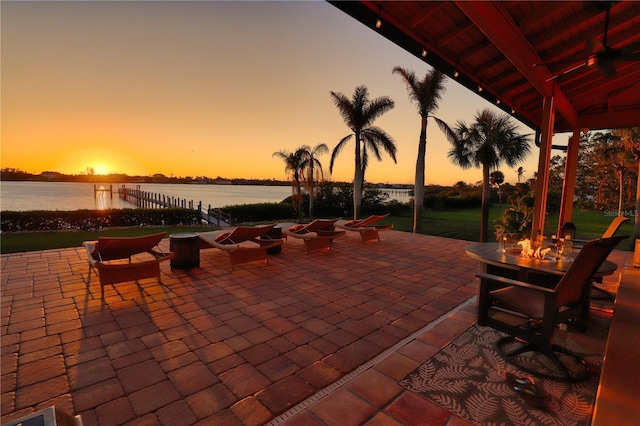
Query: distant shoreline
16	175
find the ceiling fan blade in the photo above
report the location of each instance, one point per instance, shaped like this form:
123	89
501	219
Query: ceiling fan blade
608	68
568	71
629	57
630	52
595	46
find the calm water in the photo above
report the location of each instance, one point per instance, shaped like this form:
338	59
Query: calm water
23	196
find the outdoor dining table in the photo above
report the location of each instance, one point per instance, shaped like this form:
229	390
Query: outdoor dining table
546	272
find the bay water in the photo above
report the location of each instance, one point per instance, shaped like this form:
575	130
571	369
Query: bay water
66	196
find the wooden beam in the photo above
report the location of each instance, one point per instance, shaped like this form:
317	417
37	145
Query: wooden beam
495	23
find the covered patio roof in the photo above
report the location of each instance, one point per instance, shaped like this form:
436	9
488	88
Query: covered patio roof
557	66
514	49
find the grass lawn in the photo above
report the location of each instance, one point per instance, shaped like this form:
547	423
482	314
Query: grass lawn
463	224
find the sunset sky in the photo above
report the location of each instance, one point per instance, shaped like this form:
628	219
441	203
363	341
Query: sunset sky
206	89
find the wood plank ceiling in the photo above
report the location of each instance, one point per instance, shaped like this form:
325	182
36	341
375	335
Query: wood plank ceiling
520	52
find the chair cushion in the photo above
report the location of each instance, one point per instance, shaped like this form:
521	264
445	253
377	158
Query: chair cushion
95	251
523	300
296	228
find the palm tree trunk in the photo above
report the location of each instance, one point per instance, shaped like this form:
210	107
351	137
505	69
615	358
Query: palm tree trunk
358	179
486	195
418	187
311	191
311	200
620	192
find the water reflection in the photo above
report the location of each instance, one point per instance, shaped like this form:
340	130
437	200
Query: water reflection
103	198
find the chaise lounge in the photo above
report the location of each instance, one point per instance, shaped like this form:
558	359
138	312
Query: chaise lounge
113	258
234	240
317	235
367	228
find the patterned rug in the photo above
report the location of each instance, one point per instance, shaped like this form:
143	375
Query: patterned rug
467	378
603	299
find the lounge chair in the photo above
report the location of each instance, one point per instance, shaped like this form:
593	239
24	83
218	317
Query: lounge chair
111	257
367	228
317	235
233	242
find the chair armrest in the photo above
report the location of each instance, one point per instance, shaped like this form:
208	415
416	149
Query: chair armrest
510	282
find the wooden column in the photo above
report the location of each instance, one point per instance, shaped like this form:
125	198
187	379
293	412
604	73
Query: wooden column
542	180
569	183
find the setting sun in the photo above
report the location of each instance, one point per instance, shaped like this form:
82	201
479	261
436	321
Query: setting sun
101	169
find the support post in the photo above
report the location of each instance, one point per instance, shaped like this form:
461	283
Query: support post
542	181
569	182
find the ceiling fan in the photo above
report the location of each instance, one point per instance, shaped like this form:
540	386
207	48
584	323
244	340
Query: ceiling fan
603	57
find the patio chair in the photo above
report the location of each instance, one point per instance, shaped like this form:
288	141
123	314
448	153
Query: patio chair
529	313
367	228
613	227
112	258
317	235
234	240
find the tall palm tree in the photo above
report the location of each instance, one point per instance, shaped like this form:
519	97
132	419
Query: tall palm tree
292	161
359	113
485	144
426	94
312	169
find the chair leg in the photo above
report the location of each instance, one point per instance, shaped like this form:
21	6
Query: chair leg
562	373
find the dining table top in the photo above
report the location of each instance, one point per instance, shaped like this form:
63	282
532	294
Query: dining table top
492	254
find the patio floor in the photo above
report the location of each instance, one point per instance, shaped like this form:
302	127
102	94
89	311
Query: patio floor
317	339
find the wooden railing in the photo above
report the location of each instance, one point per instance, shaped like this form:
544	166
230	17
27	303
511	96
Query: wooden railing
150	200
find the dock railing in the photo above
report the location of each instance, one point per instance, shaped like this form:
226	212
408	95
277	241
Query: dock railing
150	200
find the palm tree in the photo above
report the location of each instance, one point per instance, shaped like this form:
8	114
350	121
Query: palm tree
312	169
460	185
427	94
359	113
485	144
520	171
619	155
631	140
497	178
292	161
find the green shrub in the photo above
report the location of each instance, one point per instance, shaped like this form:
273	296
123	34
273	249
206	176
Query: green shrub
438	202
263	212
91	220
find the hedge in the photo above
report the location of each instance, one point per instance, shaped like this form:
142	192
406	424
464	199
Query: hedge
92	220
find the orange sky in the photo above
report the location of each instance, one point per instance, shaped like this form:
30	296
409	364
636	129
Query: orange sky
206	89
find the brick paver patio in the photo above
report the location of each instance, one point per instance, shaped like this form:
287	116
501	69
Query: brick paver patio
211	345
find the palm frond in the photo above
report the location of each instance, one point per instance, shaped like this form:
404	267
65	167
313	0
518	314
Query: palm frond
375	137
345	108
449	133
338	148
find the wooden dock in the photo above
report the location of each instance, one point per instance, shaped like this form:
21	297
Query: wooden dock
154	200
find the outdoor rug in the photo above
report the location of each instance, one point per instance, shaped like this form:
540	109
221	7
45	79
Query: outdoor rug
467	378
603	300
